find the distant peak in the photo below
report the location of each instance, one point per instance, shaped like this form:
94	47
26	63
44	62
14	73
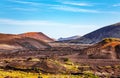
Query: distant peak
37	35
33	33
116	24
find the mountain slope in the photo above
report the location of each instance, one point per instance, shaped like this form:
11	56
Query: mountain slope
109	48
10	41
38	36
111	31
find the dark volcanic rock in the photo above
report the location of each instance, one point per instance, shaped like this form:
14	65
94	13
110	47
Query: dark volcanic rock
111	31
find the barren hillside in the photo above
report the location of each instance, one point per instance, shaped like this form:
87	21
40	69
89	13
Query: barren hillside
109	48
38	36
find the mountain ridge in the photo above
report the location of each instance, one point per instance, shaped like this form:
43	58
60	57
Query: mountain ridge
37	35
110	31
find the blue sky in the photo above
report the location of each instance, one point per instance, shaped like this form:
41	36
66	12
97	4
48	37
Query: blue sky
57	18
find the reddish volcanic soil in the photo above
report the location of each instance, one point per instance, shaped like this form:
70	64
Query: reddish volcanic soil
11	41
38	36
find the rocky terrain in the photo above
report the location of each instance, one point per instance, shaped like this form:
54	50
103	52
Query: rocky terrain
36	53
101	59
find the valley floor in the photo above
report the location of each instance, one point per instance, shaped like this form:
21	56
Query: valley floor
58	62
21	74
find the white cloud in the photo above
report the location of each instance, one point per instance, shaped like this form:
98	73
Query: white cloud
115	5
47	23
28	22
24	2
24	9
110	12
77	4
74	9
62	7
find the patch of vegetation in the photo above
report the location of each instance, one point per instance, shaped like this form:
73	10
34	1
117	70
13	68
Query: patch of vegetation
107	40
17	74
117	66
89	74
108	67
70	65
20	74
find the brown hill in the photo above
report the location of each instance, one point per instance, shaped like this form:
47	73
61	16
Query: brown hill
38	36
109	48
7	36
10	41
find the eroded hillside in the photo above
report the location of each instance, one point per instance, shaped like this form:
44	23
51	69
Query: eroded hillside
106	49
11	42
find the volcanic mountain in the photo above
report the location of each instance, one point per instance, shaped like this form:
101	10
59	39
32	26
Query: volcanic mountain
108	48
68	38
38	36
111	31
11	41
